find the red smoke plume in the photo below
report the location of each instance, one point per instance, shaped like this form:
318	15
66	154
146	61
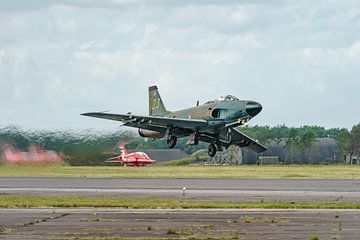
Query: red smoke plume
35	155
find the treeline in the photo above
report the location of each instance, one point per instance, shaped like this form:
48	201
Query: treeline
266	133
92	147
307	144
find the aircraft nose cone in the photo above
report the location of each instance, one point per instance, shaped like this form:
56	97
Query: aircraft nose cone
253	108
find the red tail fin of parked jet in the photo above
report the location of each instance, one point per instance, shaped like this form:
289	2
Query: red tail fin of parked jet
136	159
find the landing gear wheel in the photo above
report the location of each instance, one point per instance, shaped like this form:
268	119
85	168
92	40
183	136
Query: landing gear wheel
171	142
212	150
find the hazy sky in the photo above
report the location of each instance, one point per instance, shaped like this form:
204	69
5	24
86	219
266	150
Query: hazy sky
300	59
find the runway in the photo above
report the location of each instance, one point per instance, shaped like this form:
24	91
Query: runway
284	190
90	223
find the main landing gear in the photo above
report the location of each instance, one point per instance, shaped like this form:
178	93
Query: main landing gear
171	141
212	150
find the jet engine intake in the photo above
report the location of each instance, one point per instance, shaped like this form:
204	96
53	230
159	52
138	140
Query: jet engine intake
150	133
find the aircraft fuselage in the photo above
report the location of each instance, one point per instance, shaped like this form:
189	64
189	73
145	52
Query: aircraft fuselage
219	114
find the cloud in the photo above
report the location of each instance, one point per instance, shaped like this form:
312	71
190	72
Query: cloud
66	24
73	56
352	52
322	57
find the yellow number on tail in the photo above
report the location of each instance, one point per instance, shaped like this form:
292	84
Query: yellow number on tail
154	104
158	103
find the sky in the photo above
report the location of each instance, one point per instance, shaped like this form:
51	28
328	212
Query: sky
299	59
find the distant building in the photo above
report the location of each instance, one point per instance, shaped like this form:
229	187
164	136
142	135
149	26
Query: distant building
350	159
321	150
268	160
160	155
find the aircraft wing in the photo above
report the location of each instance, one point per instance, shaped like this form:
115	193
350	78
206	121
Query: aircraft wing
243	140
114	161
149	122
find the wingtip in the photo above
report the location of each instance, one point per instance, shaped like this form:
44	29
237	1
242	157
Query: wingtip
264	149
91	114
86	114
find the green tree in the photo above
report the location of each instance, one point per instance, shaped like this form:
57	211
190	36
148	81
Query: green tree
355	131
297	144
344	144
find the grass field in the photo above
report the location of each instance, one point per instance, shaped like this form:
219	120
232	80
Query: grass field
267	172
148	203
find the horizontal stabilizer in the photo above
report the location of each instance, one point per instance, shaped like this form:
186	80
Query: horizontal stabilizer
242	140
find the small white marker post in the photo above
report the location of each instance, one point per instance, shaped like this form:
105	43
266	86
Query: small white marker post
183	190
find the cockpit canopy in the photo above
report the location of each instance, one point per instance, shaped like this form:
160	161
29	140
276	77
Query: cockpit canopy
223	99
142	154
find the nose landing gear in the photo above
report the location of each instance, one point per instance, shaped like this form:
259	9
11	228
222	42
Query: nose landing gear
213	148
229	136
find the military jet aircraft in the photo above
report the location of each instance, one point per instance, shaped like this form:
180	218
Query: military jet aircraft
214	122
136	159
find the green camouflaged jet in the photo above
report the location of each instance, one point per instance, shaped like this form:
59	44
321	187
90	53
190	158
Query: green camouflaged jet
214	122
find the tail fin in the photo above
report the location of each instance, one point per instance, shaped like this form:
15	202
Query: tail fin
156	105
122	151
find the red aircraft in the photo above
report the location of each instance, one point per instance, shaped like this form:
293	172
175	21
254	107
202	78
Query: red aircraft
136	159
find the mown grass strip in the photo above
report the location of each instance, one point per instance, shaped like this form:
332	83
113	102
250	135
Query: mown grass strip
155	171
149	203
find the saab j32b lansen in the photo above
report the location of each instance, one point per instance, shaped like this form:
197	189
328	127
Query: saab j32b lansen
215	122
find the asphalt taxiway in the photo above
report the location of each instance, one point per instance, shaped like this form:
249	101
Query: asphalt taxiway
90	223
285	190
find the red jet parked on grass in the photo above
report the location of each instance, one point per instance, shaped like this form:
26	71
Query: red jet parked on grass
136	159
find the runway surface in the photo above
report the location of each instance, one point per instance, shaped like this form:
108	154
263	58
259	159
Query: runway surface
284	190
89	223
